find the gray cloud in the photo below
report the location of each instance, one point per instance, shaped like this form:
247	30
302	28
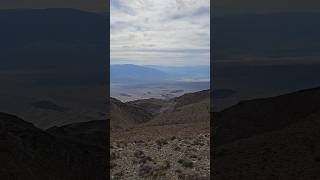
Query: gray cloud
165	32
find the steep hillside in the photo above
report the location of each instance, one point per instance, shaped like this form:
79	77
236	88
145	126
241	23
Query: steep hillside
92	132
152	105
125	115
188	108
30	153
271	138
289	153
192	98
253	117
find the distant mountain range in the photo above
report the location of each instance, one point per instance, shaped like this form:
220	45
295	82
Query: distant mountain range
197	71
129	73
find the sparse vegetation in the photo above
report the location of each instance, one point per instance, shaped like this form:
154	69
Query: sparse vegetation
164	163
151	150
186	163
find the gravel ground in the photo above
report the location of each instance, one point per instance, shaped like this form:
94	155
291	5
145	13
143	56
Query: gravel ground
162	158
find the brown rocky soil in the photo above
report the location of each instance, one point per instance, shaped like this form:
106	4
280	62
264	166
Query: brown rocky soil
168	157
172	144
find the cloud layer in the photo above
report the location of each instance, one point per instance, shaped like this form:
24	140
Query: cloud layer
166	32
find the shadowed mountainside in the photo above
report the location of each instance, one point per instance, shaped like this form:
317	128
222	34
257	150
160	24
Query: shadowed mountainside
188	108
192	98
152	105
92	132
30	153
269	138
125	115
253	117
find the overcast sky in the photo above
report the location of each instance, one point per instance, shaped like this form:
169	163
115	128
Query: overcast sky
160	32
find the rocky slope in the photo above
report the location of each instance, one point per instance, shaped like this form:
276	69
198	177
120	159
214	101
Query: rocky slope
173	143
249	118
27	152
152	105
270	138
92	132
163	158
123	115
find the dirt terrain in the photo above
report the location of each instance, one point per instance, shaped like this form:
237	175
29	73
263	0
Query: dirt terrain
173	143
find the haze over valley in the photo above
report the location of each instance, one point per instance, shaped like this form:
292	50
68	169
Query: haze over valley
131	82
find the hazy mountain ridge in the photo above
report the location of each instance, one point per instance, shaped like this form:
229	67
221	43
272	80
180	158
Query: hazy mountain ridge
134	82
129	73
200	72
